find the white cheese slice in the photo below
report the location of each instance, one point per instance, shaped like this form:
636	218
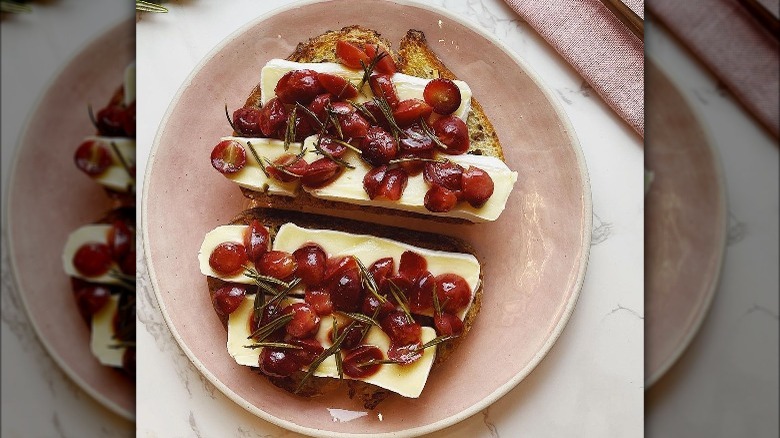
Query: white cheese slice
103	334
406	380
252	175
116	177
406	86
366	248
348	187
95	233
130	84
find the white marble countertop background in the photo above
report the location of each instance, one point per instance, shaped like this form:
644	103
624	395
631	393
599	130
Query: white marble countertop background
591	382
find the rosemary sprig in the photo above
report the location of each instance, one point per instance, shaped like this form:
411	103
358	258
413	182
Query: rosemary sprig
92	116
122	160
281	168
436	304
364	111
387	111
339	161
122	344
311	115
347	145
337	356
368	363
289	135
368	69
126	282
334	119
334	348
370	282
431	135
14	8
266	330
254	275
368	327
400	298
365	319
280	295
258	305
230	121
410	159
435	341
144	6
273	345
257	158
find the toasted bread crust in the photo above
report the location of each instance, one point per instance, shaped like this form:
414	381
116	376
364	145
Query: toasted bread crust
370	395
415	58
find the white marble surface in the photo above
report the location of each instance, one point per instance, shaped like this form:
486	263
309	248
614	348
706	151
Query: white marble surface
591	382
39	400
726	382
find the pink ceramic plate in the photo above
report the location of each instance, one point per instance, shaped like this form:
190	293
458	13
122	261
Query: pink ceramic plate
49	198
534	256
685	225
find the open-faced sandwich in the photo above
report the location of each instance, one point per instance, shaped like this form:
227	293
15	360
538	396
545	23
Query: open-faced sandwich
100	257
312	301
345	122
108	156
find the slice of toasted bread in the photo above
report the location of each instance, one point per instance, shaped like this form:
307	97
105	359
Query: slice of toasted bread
369	394
415	58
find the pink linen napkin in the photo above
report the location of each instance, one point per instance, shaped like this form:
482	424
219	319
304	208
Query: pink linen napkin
731	43
598	46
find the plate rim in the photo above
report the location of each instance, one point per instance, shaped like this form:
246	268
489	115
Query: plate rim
501	390
704	307
9	226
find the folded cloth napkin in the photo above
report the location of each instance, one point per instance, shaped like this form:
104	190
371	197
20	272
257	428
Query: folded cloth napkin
598	46
731	43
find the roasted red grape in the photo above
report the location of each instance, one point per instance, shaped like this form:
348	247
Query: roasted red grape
246	120
298	86
378	146
386	64
338	86
453	292
346	291
277	264
400	330
443	95
120	239
319	299
372	181
273	118
228	157
91	298
277	362
256	239
305	321
439	199
410	111
111	121
92	259
421	294
394	183
311	260
448	324
227	298
453	132
383	86
477	186
320	173
228	258
446	174
350	55
92	157
355	362
412	265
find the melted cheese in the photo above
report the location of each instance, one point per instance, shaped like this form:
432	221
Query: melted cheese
116	177
406	86
366	248
348	187
102	338
406	380
95	233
